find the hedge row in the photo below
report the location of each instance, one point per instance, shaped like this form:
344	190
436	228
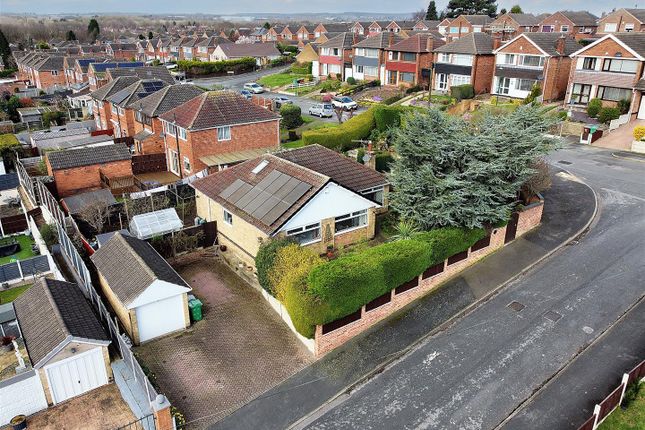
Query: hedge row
265	258
339	287
461	92
196	68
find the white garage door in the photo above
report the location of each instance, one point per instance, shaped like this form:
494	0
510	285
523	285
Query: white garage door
76	375
159	318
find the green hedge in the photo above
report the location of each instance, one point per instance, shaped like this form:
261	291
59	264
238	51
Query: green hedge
383	161
291	116
461	92
196	68
342	286
389	116
264	260
340	138
606	114
593	107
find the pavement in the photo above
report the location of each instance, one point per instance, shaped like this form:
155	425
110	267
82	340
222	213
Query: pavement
569	399
569	207
620	138
479	369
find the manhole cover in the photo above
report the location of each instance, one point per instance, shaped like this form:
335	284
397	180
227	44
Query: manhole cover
565	162
516	306
552	316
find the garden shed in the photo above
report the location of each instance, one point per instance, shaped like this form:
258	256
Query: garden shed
155	223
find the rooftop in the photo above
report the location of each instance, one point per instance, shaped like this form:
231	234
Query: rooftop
88	156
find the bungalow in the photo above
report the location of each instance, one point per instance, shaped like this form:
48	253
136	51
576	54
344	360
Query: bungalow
263	53
65	341
147	294
336	55
409	62
270	196
534	59
122	115
467	24
509	25
622	21
368	61
467	60
207	46
579	24
76	170
215	129
148	129
611	69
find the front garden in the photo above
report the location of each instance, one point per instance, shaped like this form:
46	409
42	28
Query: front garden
293	74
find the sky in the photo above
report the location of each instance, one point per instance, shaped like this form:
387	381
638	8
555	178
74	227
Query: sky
281	6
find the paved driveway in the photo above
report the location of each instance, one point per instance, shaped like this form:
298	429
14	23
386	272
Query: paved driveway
239	350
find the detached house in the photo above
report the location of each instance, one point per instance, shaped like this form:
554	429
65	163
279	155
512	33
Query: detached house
510	25
336	55
534	59
579	24
263	53
409	62
207	46
467	24
216	129
622	21
467	60
611	69
270	196
368	62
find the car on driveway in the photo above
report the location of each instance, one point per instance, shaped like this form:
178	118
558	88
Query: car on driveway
246	94
281	100
254	87
322	110
344	102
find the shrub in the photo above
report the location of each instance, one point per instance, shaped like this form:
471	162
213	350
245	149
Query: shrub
359	155
388	116
536	91
413	89
265	258
49	234
606	114
340	138
291	116
639	132
461	92
291	266
393	99
351	81
195	67
383	161
593	107
448	241
623	106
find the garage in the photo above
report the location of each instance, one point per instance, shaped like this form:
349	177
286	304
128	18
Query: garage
76	375
154	319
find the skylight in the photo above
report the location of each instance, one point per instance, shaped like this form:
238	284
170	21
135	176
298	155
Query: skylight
260	166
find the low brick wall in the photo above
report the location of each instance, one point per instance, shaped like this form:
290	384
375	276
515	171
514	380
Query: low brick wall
529	218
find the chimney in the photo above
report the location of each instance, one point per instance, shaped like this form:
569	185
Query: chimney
559	44
497	42
390	39
429	43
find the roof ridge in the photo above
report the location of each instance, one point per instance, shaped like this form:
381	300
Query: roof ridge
137	257
50	299
327	178
162	96
198	110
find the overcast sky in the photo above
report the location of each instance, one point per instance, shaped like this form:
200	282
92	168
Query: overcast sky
281	6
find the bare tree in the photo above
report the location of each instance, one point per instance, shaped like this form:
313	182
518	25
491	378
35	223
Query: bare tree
339	113
419	15
537	183
96	214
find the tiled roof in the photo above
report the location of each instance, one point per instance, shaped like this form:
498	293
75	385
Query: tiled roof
380	41
431	24
213	185
129	265
341	169
525	19
548	42
146	72
343	40
136	91
639	14
113	86
123	46
478	19
417	43
166	99
213	41
239	50
103	66
51	63
51	311
581	18
635	40
472	43
88	156
216	109
336	28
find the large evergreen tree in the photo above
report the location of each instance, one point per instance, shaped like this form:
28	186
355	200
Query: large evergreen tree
516	9
453	173
70	35
471	7
5	50
93	29
431	14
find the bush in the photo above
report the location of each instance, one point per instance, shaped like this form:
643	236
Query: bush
388	116
606	114
292	264
393	99
301	69
196	68
383	161
291	116
414	89
265	258
351	81
359	155
49	234
639	132
461	92
536	91
593	107
623	106
330	85
340	138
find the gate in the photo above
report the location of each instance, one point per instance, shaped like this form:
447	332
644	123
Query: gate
511	228
145	423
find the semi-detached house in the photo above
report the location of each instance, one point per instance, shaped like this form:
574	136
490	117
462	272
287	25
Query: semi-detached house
336	55
579	24
368	62
409	62
467	24
122	114
509	25
622	21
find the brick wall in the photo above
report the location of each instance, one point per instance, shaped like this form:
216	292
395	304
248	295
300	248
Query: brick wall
45	79
557	71
621	18
153	144
71	181
530	217
482	73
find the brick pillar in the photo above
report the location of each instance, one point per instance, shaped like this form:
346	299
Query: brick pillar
161	409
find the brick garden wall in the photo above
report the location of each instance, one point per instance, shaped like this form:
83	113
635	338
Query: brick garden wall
85	178
530	217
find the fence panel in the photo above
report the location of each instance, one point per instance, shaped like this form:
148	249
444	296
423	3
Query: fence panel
610	403
53	211
14	224
35	265
589	424
26	182
148	163
9	272
637	373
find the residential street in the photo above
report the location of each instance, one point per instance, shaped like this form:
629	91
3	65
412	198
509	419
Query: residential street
475	373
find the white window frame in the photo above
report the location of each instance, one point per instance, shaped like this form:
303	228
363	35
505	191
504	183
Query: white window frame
227	217
362	221
629	27
564	29
611	27
295	232
186	164
224	133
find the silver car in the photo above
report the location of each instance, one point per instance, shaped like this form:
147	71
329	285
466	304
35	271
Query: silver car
255	88
322	110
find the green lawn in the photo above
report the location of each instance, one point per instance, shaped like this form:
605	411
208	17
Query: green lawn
279	79
7	296
25	249
295	144
632	418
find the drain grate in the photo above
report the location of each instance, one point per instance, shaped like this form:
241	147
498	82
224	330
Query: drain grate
552	316
564	162
516	306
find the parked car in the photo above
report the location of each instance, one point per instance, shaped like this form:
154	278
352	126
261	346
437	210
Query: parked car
345	103
281	100
246	94
254	87
322	110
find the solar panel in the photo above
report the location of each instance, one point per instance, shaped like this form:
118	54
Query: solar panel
119	96
152	86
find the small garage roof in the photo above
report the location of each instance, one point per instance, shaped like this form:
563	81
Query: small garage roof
76	203
51	314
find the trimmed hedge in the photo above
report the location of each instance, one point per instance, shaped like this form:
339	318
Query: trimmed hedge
389	116
265	259
291	116
196	68
340	287
461	92
383	161
340	138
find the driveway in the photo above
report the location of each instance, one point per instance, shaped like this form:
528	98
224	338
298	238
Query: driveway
238	351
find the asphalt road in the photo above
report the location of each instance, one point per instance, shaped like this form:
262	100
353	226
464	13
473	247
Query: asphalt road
479	370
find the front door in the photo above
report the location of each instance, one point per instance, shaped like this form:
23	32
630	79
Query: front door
442	81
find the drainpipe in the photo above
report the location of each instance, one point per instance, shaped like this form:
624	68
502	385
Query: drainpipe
180	167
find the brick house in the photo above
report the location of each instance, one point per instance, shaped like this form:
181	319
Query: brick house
122	51
622	21
610	69
360	27
49	73
206	47
579	24
285	33
189	48
291	200
377	27
426	25
263	53
213	124
400	26
336	55
96	72
409	62
467	60
80	68
303	33
368	61
329	28
510	25
467	24
122	114
101	107
78	170
534	58
443	25
148	130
